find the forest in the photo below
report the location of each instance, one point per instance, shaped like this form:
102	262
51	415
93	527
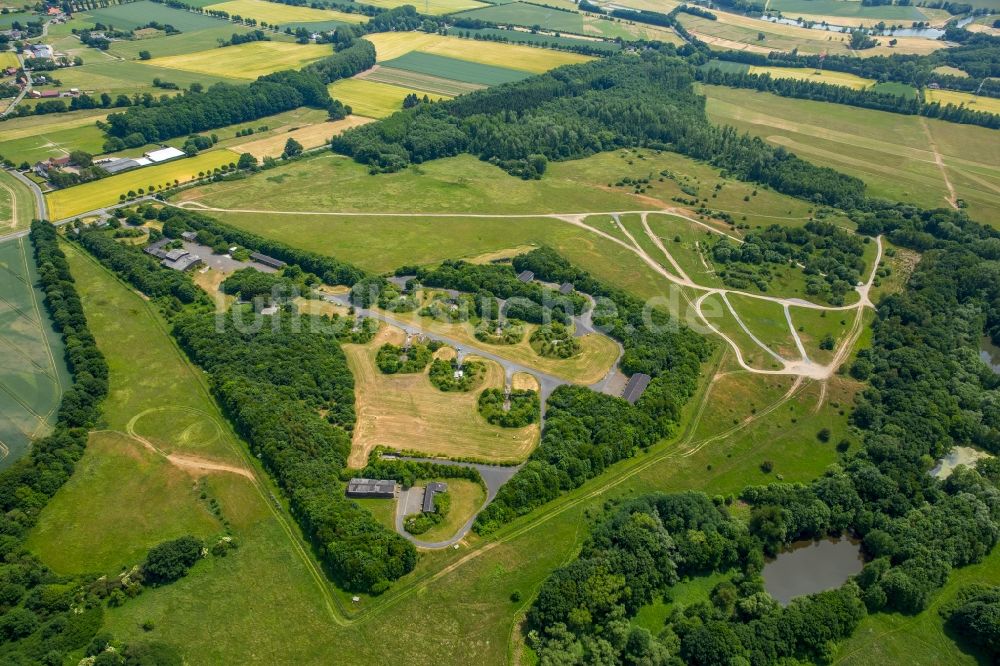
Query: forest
928	391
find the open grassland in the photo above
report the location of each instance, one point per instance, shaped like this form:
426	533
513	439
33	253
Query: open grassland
186	42
99	193
815	75
134	14
894	154
280	14
526	14
467	499
457	70
402	78
45	144
391	45
130	77
407	412
433	7
246	61
766	319
968	100
374	99
123	492
27	126
720	319
17	204
844	9
310	136
814	325
33	371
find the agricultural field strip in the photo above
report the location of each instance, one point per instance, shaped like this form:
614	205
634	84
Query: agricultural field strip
803	367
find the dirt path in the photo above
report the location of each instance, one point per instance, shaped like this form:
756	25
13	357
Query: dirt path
186	462
952	198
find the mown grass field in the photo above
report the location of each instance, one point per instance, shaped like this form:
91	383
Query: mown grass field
280	14
890	152
134	14
407	412
391	45
974	102
374	99
433	7
99	193
458	70
33	371
246	61
814	75
44	144
310	136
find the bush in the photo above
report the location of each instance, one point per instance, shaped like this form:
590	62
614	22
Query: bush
523	410
392	359
442	375
170	560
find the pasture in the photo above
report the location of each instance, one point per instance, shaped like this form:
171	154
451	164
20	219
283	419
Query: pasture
246	61
968	100
130	77
43	145
814	75
374	99
391	45
169	45
432	7
33	371
845	9
131	15
281	14
525	14
407	412
105	192
457	70
894	154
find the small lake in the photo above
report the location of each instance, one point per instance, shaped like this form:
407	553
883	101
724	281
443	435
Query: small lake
990	354
812	566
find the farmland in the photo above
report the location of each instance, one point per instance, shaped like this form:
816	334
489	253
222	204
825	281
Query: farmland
99	193
845	9
310	136
975	102
404	79
130	77
246	61
432	7
373	99
281	14
33	373
169	45
457	70
817	76
17	204
391	45
407	412
134	14
888	151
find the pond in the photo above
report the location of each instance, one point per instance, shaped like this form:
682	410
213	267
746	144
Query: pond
812	566
990	354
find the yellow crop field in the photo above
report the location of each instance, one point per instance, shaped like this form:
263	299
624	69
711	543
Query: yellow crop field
279	14
434	7
374	99
8	59
389	45
988	104
310	136
105	192
247	61
818	76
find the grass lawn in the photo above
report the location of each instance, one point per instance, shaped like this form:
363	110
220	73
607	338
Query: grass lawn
406	411
96	194
44	145
33	372
888	151
814	75
384	510
432	7
974	102
467	498
373	99
280	14
246	61
391	45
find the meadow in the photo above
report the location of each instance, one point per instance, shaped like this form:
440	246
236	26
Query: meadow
404	79
974	102
131	77
455	69
134	14
33	371
814	75
522	13
310	136
45	144
407	412
374	99
845	9
894	154
246	61
186	42
432	7
105	192
281	14
17	204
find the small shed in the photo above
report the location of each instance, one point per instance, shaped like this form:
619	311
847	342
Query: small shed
189	235
566	288
430	491
371	488
635	387
266	260
525	276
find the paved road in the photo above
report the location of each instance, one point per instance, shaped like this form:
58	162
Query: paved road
410	500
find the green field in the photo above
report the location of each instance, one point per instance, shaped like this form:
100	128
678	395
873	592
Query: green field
433	7
33	371
17	204
458	70
130	77
187	42
890	152
405	79
105	192
521	13
246	61
281	14
373	99
846	9
134	14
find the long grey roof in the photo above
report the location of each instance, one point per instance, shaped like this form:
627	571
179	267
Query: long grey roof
635	387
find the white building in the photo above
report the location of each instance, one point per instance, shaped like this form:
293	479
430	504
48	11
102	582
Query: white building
164	154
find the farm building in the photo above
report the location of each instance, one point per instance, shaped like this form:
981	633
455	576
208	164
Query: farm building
163	154
637	384
181	260
371	488
526	276
118	164
189	235
266	260
430	491
42	168
41	51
